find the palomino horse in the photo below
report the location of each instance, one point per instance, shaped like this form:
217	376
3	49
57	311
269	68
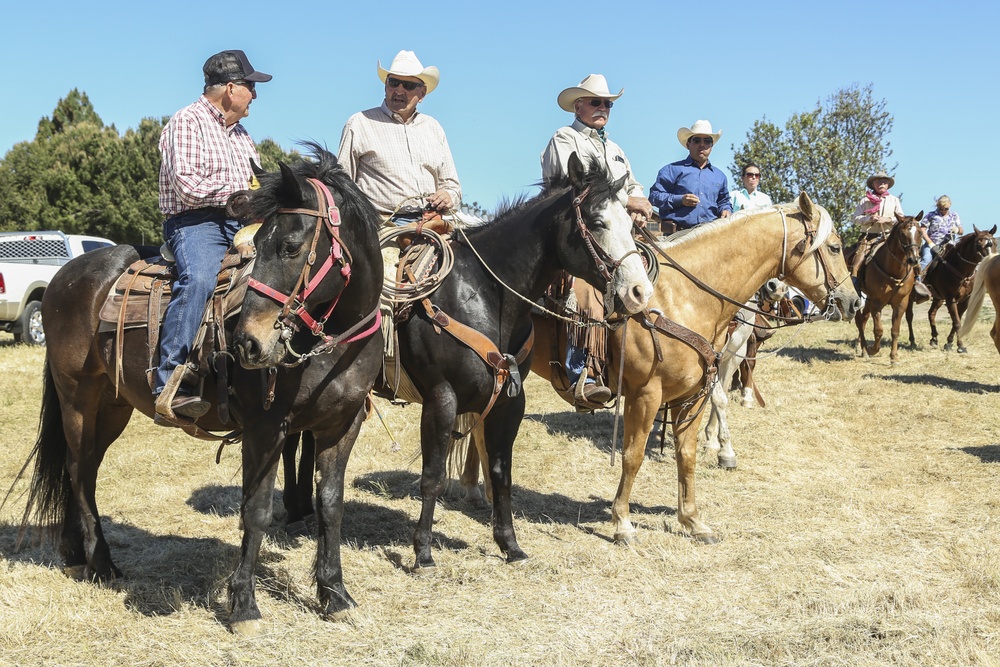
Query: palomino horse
888	280
987	281
322	390
949	280
500	269
794	242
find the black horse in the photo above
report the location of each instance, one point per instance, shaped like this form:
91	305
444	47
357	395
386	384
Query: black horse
318	367
500	268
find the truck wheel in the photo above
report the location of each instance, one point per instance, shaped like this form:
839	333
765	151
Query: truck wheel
31	325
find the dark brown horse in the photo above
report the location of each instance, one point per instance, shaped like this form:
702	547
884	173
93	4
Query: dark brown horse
887	281
949	279
318	381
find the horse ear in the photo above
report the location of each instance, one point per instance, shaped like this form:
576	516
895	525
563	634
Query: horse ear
290	192
257	169
806	205
919	217
577	174
993	232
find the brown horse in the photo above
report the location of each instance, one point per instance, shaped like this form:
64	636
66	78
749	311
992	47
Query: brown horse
888	280
949	280
987	281
794	242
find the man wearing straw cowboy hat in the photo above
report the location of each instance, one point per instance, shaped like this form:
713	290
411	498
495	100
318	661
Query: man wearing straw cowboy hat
398	156
692	191
590	103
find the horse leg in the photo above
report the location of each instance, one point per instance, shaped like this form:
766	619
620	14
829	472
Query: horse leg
897	322
746	374
91	421
262	446
686	452
718	440
436	422
877	331
909	323
932	317
956	323
640	412
476	460
501	428
331	463
297	494
861	321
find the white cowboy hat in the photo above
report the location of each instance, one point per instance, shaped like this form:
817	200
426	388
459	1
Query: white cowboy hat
700	127
406	64
880	174
595	85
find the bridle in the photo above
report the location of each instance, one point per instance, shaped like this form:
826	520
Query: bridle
909	249
606	265
293	304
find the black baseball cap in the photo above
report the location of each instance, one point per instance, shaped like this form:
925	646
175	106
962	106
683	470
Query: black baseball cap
233	65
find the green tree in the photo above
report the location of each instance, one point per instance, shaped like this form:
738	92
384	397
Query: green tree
271	154
827	152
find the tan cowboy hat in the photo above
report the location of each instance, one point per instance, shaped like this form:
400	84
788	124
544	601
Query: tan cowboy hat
880	174
700	127
595	85
406	64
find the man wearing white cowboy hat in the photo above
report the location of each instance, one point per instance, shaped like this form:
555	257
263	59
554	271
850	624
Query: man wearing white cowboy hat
398	156
692	191
590	103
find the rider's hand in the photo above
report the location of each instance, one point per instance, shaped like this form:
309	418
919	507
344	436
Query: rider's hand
690	200
440	200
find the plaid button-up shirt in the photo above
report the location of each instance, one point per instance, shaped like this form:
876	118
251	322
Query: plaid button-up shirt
203	161
391	160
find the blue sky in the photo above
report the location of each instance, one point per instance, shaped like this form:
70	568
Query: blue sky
503	64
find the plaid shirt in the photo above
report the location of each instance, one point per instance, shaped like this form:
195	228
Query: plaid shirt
203	161
391	160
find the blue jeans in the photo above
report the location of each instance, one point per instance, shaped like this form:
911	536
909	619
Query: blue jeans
925	256
199	240
576	361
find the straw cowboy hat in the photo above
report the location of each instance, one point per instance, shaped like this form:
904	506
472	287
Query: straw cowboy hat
595	85
406	64
700	127
880	174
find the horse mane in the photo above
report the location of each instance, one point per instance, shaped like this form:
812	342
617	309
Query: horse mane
324	167
823	231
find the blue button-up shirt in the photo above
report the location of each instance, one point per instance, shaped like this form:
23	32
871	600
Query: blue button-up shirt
684	177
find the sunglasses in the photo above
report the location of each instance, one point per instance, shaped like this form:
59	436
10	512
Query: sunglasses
249	85
598	103
392	82
751	174
708	141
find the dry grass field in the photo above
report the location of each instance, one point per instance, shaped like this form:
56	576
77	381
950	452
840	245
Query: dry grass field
862	527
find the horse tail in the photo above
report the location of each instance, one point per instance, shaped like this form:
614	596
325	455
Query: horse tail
975	299
51	491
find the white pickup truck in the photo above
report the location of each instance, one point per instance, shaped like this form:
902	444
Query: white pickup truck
28	260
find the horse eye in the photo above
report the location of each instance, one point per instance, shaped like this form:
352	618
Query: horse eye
835	249
290	248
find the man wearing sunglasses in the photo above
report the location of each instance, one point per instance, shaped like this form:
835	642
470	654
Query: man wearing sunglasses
206	157
692	191
590	103
398	156
749	196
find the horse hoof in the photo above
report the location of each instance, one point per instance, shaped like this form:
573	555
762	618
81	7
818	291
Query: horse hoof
933	343
250	628
727	462
342	616
962	349
707	538
424	570
516	556
625	539
76	572
947	347
297	529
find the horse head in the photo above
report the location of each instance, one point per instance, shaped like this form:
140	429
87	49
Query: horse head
904	238
317	268
983	243
598	244
825	279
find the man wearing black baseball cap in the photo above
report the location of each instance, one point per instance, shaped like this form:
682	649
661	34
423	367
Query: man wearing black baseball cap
206	157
